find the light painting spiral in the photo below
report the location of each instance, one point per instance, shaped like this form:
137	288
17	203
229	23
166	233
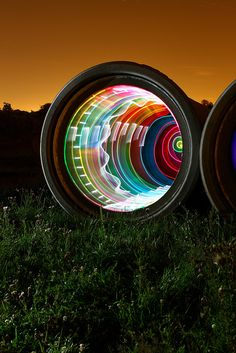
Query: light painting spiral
123	148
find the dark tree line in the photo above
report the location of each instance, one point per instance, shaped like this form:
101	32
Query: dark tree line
20	141
19	147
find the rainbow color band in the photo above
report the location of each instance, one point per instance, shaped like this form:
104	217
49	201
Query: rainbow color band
123	148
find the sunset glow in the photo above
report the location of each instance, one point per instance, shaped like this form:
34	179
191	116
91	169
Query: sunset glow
46	43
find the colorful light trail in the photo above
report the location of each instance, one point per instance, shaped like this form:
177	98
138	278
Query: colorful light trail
123	148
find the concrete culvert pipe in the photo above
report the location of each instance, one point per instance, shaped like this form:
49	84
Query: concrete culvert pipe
218	152
121	137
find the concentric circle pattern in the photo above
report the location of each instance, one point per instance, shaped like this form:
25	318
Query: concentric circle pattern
123	148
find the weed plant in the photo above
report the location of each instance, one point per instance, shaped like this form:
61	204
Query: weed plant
102	286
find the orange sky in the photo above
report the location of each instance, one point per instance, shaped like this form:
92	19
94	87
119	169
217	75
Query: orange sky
44	43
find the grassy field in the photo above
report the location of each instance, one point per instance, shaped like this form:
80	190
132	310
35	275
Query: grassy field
84	285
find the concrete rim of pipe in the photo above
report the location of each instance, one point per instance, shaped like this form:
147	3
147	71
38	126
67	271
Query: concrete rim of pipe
216	152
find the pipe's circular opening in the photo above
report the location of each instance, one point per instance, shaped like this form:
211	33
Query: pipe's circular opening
121	137
218	152
123	148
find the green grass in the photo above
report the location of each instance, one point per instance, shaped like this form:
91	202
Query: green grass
84	285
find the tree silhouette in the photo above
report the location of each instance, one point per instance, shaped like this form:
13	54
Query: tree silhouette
19	147
7	107
207	104
45	106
